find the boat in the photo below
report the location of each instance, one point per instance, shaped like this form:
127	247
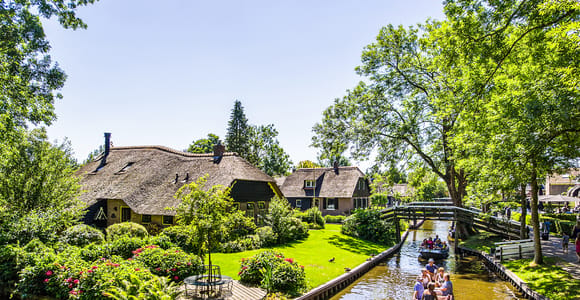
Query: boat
434	253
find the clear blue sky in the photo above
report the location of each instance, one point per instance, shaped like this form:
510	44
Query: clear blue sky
168	72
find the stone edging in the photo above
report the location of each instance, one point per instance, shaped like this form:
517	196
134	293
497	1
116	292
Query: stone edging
504	273
335	285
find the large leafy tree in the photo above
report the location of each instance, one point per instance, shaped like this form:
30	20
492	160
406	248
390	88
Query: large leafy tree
522	118
265	151
238	132
204	145
28	78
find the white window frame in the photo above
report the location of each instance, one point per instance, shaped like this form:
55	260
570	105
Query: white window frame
309	183
331	206
299	203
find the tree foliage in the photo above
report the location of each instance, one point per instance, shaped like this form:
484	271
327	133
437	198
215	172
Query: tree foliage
238	133
204	145
265	151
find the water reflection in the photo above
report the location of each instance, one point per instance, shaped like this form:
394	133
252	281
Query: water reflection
394	279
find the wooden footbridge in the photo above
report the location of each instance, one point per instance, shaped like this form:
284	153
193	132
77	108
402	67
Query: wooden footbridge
445	210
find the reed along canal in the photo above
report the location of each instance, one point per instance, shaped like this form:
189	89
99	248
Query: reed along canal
394	279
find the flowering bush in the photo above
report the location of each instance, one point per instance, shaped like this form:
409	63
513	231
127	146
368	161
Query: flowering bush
185	237
174	263
267	236
249	242
287	275
82	235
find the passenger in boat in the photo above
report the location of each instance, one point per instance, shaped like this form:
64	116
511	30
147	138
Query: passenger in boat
418	289
438	244
444	247
424	243
430	293
447	287
430	243
431	267
425	277
439	277
437	239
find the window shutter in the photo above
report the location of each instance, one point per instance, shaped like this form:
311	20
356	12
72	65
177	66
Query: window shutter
324	203
335	203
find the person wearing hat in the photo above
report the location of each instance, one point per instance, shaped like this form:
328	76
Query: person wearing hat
418	289
431	267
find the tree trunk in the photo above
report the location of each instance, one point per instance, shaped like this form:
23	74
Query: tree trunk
523	228
538	258
456	186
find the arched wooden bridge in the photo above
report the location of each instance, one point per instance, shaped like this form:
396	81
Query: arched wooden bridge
445	210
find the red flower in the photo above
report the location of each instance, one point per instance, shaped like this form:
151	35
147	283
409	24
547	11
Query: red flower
74	292
46	280
173	270
76	281
89	271
302	267
137	269
48	273
129	258
68	280
289	260
70	286
157	269
94	267
239	273
81	272
176	277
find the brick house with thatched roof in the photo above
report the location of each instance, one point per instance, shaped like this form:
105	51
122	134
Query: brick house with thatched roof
334	191
137	183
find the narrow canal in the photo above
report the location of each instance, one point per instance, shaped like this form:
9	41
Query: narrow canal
395	278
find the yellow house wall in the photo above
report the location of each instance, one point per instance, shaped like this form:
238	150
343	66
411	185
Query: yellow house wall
114	216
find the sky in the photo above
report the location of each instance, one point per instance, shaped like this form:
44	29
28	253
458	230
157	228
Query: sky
168	72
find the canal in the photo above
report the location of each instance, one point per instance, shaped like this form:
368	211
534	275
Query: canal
394	279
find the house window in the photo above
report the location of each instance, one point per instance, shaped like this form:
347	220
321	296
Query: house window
262	205
361	202
167	220
361	184
145	218
250	209
299	203
125	214
309	183
331	204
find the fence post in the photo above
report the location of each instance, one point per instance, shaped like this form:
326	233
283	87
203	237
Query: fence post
520	250
397	227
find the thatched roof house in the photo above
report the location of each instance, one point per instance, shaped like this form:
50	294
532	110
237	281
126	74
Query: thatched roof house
138	183
334	191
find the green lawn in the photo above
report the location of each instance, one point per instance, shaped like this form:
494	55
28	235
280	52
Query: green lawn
547	279
482	241
313	253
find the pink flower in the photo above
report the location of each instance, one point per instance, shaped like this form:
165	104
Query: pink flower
48	273
129	258
137	269
89	271
94	267
68	280
157	269
81	272
289	260
176	277
173	270
76	281
46	280
70	286
302	267
239	273
188	263
74	292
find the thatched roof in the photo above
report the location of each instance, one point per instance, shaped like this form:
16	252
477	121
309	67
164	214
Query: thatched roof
148	185
329	184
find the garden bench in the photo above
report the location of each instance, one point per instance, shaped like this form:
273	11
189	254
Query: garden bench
513	249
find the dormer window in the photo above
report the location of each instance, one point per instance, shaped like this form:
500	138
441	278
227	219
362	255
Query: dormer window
309	184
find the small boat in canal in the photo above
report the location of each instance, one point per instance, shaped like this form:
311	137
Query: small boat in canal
434	253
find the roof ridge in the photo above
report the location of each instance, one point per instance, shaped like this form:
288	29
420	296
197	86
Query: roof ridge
169	150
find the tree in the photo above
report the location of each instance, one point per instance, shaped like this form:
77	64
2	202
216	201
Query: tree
204	145
265	151
238	133
396	114
523	74
38	189
426	185
327	161
307	164
206	209
28	78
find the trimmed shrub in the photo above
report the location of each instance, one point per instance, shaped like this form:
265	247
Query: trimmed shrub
185	237
313	217
249	242
286	275
334	219
126	229
173	263
286	227
82	235
367	224
238	226
267	236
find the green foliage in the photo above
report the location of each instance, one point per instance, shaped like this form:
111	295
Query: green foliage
82	235
283	222
265	151
237	225
307	164
313	217
267	236
204	145
367	224
135	288
426	185
186	237
248	242
285	274
238	133
381	199
334	219
126	229
173	263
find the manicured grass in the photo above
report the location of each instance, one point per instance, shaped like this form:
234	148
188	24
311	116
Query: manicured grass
313	253
548	279
482	241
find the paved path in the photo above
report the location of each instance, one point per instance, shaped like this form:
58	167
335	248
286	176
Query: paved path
553	247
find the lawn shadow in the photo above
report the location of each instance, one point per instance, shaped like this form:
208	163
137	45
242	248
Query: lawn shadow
354	245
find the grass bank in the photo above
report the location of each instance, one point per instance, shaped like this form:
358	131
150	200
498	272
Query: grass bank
548	279
313	253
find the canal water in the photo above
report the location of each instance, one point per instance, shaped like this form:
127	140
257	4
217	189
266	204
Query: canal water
394	279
